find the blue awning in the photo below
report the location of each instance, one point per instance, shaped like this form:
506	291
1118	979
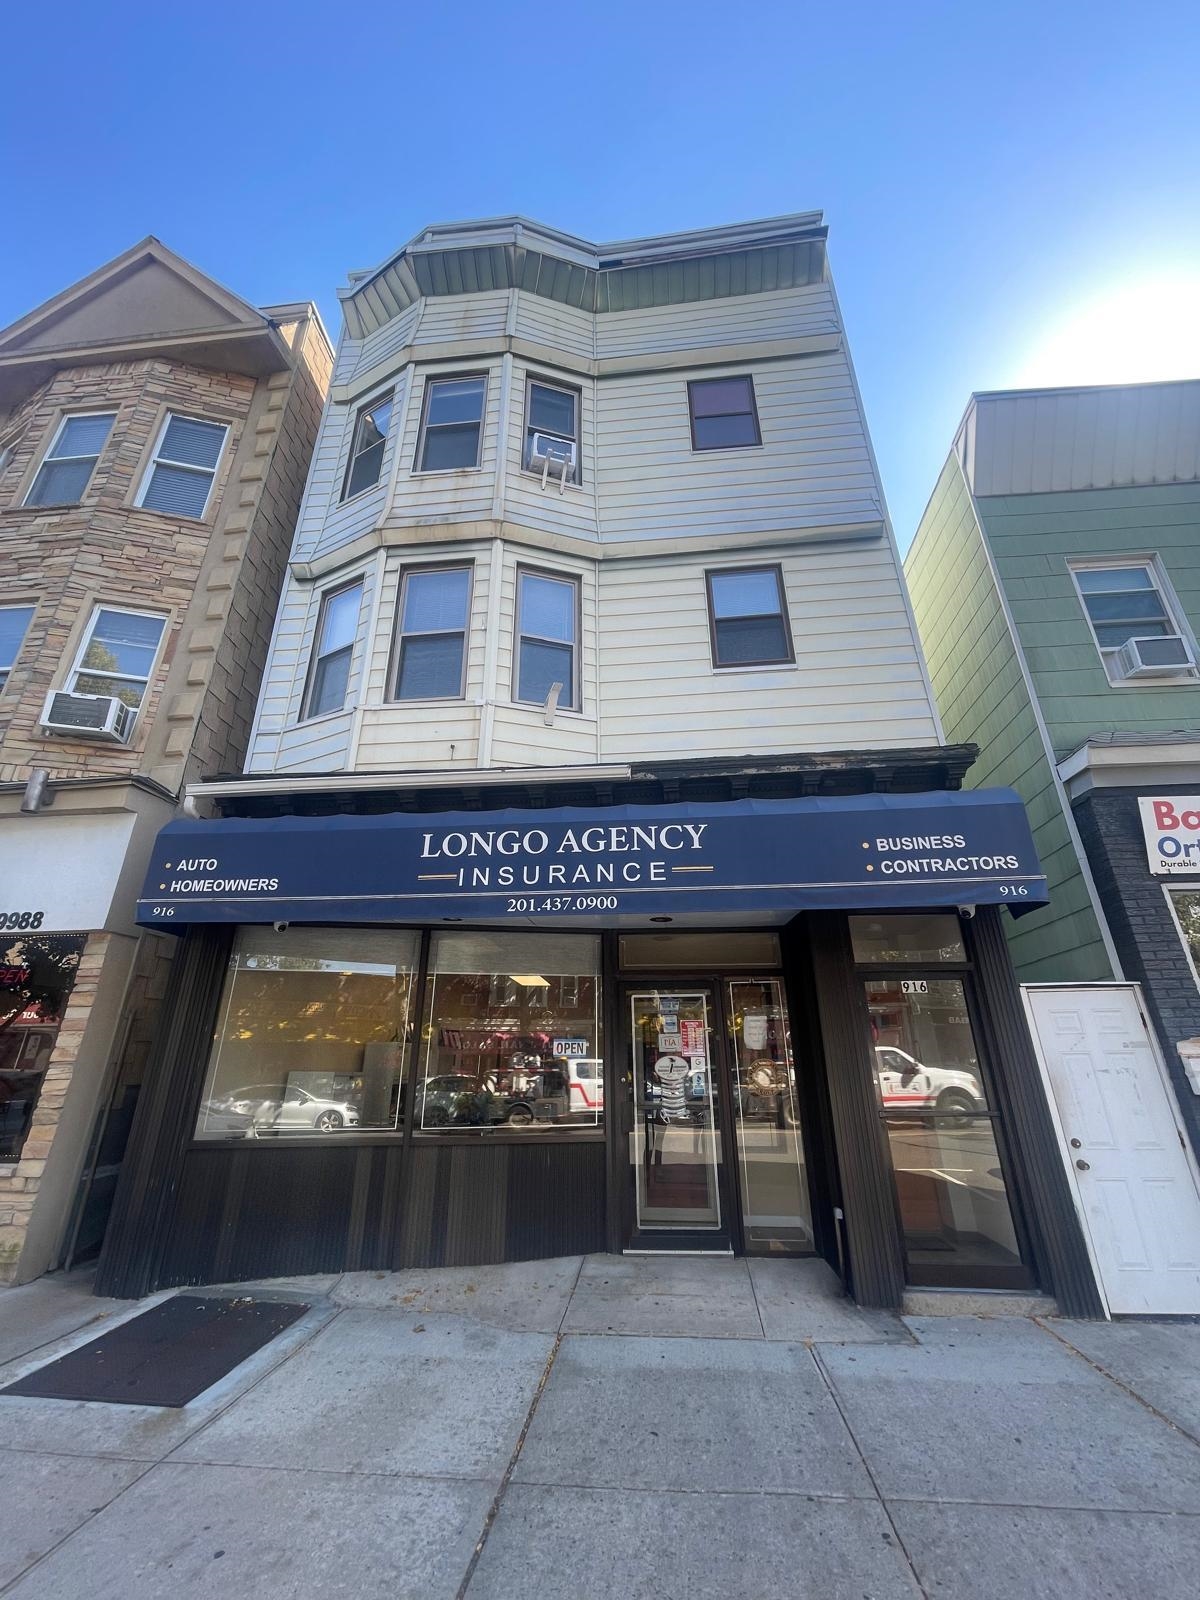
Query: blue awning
573	865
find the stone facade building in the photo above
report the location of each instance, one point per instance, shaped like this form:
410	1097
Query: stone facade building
155	433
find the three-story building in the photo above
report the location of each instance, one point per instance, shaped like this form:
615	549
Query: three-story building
155	434
598	877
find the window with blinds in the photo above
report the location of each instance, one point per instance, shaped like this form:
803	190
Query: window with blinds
183	468
68	465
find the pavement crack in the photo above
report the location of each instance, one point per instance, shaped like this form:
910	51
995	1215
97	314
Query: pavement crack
494	1509
1120	1382
866	1466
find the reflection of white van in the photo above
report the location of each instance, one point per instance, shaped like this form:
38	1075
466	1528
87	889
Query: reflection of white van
585	1084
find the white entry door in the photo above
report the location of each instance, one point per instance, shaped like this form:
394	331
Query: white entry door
1125	1147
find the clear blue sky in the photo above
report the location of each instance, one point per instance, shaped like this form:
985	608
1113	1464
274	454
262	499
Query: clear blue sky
1013	189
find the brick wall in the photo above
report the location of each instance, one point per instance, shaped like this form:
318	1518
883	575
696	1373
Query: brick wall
1143	930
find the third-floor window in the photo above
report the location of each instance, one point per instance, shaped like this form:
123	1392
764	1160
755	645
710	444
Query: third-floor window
68	465
724	415
183	467
452	423
552	430
366	448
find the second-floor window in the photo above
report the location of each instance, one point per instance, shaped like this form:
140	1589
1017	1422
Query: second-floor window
431	644
747	615
183	467
452	424
552	429
1126	601
366	448
723	413
117	654
14	624
68	465
547	638
333	650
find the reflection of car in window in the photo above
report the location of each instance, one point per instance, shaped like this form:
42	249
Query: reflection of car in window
906	1083
295	1111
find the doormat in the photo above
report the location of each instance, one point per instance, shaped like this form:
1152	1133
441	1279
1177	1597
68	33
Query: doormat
166	1356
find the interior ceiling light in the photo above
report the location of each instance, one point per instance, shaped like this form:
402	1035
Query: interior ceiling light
529	979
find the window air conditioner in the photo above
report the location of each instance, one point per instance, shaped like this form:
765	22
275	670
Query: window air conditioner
1155	658
547	451
88	716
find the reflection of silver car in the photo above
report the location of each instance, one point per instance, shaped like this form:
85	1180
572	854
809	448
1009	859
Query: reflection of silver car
297	1111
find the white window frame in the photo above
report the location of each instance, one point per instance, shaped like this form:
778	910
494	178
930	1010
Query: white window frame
314	654
576	645
575	478
78	669
17	605
182	466
1169	890
360	411
48	455
1151	565
406	573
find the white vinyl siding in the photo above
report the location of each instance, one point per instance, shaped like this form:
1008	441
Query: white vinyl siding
813	470
739	319
326	522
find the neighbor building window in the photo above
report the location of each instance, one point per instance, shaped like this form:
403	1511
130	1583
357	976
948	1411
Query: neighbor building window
431	645
117	655
1185	904
552	429
724	416
14	623
512	1035
748	621
71	459
180	477
366	449
1127	602
452	424
547	638
333	650
313	1032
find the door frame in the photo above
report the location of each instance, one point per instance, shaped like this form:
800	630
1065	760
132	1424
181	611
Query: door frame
728	1238
1135	990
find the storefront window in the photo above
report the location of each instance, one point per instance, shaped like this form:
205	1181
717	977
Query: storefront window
512	1034
895	941
37	975
1185	903
312	1034
954	1209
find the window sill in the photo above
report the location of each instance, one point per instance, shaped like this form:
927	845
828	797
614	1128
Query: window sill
528	472
759	666
49	505
1140	685
725	449
423	700
360	494
172	516
325	716
443	472
537	707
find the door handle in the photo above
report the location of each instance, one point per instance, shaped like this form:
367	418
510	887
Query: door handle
1084	1166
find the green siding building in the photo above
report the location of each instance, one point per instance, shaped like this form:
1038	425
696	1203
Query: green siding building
1065	523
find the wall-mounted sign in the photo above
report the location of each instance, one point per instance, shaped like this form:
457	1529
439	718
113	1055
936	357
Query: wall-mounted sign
849	853
1171	828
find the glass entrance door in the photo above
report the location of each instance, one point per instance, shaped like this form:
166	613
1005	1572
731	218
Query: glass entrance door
772	1182
676	1137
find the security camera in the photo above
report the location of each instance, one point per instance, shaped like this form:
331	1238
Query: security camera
280	927
963	911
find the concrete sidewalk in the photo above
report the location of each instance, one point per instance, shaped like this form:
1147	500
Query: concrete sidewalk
618	1426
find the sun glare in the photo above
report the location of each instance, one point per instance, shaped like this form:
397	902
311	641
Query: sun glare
1142	331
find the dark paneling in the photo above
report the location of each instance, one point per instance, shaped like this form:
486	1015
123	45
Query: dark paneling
872	1229
468	1206
1041	1183
165	1117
